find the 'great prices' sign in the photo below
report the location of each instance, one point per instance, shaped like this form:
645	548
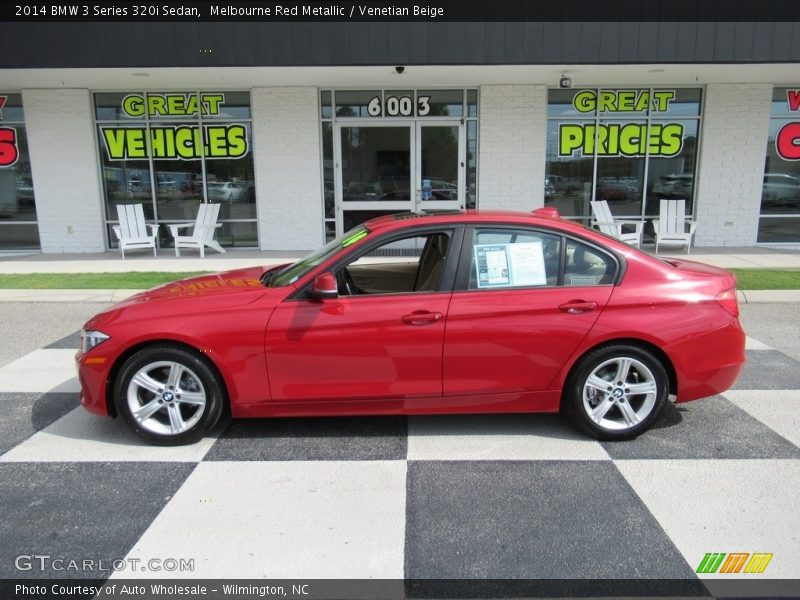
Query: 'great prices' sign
787	142
174	142
629	139
9	151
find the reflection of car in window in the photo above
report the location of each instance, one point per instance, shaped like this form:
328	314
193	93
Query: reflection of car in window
444	190
404	195
223	191
612	189
674	185
9	202
362	190
780	190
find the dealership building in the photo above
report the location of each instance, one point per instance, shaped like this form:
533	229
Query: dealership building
302	130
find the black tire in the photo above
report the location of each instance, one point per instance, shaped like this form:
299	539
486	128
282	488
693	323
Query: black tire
169	407
583	396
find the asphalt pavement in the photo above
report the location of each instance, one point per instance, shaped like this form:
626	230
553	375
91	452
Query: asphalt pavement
419	497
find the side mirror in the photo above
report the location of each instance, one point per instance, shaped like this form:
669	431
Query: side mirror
325	286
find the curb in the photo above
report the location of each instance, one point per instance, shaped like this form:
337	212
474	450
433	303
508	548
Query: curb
758	296
98	296
110	296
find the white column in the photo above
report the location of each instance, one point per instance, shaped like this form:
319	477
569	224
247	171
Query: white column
286	140
64	163
733	148
512	146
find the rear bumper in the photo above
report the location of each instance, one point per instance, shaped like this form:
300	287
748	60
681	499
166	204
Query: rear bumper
709	364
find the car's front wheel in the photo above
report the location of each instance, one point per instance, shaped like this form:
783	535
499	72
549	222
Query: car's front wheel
168	395
616	392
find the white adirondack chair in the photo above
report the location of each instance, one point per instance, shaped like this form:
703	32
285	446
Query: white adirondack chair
605	221
670	227
203	233
132	230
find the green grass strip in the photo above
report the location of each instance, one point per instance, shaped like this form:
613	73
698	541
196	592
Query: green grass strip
747	279
767	279
93	281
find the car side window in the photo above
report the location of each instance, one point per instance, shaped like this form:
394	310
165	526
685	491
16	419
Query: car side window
586	265
406	265
509	258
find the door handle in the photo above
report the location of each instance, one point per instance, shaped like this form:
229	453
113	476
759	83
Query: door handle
575	307
421	317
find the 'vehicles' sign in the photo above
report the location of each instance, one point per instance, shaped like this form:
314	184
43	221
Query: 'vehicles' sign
170	142
787	142
9	152
629	138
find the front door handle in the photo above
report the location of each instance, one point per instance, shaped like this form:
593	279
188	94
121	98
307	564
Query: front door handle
575	307
421	317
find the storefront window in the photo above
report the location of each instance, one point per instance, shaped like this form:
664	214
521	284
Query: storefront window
629	147
18	227
780	193
172	151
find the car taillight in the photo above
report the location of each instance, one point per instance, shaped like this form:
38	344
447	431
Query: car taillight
728	301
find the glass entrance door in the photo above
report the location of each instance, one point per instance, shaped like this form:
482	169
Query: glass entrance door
375	171
440	165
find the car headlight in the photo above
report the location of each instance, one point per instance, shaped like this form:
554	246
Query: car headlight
90	339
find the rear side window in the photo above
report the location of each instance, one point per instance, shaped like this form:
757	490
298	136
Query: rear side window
508	258
587	266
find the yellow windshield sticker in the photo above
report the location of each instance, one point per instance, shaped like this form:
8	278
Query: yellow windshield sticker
359	235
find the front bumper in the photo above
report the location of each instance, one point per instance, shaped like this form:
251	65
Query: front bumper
93	370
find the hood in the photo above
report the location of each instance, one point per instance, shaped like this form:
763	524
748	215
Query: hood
217	291
215	284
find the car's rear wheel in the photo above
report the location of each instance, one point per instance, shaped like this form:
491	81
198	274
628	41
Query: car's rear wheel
168	395
616	392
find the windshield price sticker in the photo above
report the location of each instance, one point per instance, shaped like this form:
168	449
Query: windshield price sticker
516	265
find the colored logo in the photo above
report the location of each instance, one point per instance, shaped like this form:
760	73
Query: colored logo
734	562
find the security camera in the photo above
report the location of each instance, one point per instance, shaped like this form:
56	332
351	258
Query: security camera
399	70
565	82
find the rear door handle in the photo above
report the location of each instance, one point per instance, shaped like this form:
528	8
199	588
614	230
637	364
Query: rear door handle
421	317
578	306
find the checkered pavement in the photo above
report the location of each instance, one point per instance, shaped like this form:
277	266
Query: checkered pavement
511	496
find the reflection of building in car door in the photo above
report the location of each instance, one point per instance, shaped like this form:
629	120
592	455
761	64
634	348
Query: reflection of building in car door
397	267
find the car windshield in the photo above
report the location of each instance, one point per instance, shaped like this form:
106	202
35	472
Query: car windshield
297	270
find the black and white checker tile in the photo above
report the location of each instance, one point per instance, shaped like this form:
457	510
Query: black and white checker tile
496	496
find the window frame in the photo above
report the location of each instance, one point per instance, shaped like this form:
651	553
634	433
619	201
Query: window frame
455	232
468	244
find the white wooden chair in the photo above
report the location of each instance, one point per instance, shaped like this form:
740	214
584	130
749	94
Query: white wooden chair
605	222
132	229
203	233
671	226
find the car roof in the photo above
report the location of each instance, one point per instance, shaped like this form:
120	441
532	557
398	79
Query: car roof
548	217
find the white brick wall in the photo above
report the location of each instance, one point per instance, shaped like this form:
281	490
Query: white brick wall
64	165
287	163
731	168
513	135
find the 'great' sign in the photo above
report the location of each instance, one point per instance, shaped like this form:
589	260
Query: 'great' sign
628	139
162	141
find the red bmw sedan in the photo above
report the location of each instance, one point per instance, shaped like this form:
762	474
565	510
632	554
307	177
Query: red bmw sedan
463	312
